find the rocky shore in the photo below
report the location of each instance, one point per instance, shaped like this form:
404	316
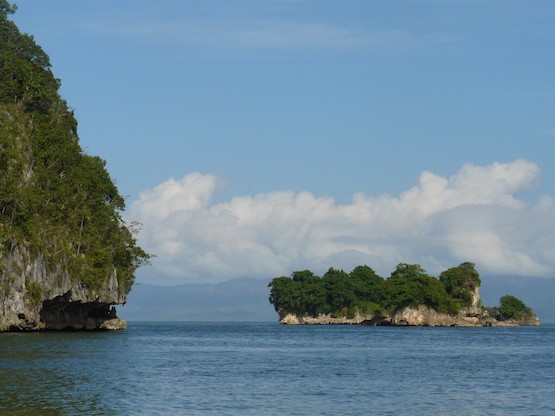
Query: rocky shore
36	297
511	312
421	316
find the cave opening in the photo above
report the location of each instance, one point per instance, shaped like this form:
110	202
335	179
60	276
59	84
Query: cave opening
61	314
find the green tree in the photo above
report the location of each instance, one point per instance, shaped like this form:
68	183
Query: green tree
410	286
460	282
312	294
340	290
314	298
304	277
365	281
510	307
6	8
363	291
285	295
56	201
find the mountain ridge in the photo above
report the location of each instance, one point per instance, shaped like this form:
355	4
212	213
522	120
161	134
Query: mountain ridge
246	299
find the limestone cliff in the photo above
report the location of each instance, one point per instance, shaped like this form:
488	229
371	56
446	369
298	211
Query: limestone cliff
409	297
66	255
424	316
33	297
324	319
473	316
421	316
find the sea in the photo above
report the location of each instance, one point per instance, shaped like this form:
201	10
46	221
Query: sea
183	368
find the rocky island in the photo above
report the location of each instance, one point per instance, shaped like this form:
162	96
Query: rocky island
66	256
409	297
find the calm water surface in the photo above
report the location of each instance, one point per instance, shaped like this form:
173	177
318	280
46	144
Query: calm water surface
266	368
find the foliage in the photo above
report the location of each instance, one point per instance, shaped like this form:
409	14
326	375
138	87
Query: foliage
510	307
7	8
339	290
55	199
460	282
34	293
410	286
364	282
361	291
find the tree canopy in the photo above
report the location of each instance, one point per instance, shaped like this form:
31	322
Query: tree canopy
460	282
55	199
343	294
340	293
510	307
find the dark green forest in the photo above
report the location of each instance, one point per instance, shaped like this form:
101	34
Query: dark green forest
55	200
343	294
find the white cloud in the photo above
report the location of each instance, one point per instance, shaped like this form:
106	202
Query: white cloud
548	133
474	215
268	33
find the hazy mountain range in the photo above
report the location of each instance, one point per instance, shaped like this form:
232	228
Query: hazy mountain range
538	293
246	299
243	299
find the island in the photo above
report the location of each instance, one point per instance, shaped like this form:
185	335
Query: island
66	255
409	297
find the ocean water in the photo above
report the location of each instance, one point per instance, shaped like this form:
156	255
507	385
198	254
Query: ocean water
270	369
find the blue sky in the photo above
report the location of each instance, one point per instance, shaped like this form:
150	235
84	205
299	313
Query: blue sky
255	105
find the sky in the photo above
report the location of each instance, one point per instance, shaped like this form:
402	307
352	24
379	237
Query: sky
255	138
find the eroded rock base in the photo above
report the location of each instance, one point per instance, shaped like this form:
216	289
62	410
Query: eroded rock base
58	314
421	316
35	296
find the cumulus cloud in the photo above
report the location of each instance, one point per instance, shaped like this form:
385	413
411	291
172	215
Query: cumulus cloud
475	215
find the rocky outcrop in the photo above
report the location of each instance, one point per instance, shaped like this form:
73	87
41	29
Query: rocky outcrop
474	316
421	316
324	320
34	296
424	316
476	297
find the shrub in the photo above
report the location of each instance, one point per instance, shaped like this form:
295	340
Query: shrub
34	293
510	307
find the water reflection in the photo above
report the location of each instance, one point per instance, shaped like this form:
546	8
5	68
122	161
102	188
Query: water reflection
43	374
239	369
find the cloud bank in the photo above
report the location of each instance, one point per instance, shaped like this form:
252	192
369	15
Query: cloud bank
474	215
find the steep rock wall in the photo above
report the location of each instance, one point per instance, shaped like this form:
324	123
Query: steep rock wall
34	296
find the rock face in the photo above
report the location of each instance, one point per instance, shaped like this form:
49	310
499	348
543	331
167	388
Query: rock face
36	297
324	320
474	316
421	316
66	254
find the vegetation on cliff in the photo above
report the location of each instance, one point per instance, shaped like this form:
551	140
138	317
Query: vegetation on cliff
362	291
55	199
511	307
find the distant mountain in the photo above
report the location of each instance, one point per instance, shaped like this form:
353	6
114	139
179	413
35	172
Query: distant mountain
243	299
538	293
246	299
